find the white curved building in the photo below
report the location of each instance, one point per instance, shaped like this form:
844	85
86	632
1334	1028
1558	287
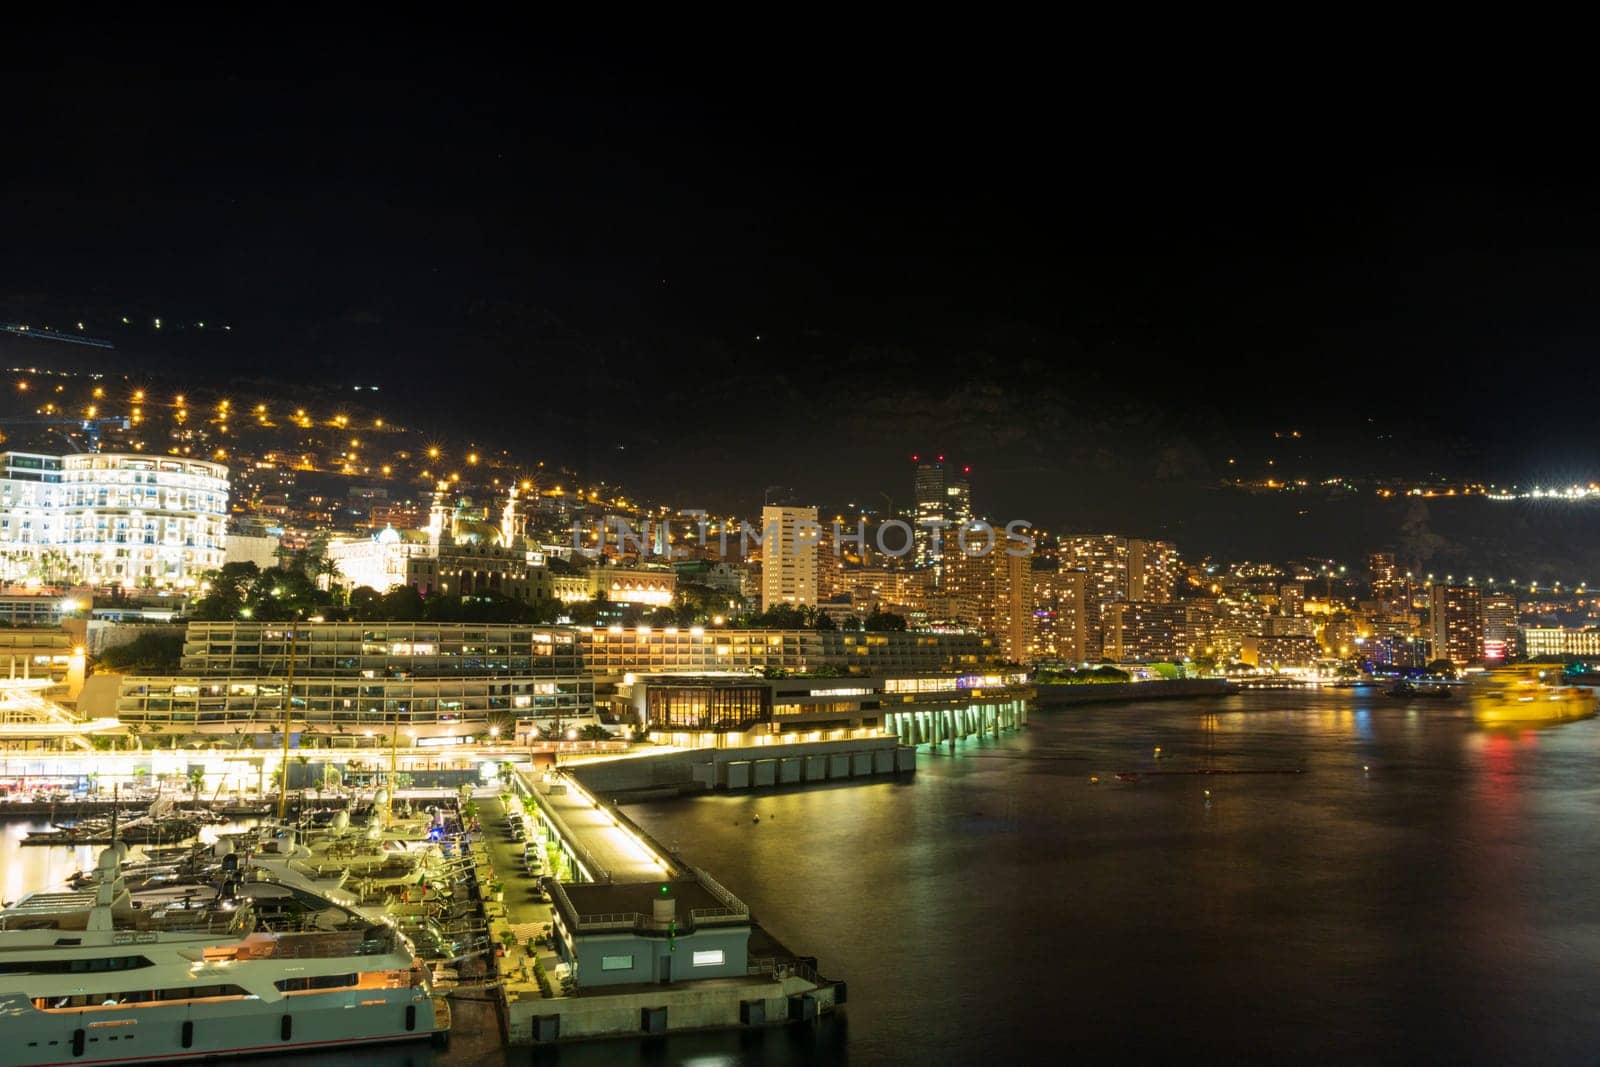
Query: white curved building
107	518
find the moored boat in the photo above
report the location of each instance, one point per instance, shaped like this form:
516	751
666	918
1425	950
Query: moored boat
193	972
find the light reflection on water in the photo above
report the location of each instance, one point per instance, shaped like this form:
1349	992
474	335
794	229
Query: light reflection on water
1420	890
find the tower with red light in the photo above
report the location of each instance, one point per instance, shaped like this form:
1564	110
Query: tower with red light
942	491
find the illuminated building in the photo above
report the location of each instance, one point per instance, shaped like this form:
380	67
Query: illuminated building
1140	631
1393	650
1120	568
1291	598
381	562
108	519
428	679
34	653
1560	641
994	592
1388	584
722	710
258	546
1278	653
904	592
1153	570
788	556
1061	622
942	495
651	585
613	652
1455	623
1500	626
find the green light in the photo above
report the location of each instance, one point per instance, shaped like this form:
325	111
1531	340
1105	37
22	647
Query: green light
664	889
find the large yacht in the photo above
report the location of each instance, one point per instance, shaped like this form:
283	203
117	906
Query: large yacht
1517	696
188	973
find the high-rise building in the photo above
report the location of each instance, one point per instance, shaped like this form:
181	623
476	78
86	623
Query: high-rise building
943	495
994	592
1061	623
1500	627
1388	585
1120	568
1455	617
1153	570
788	556
1292	598
1103	559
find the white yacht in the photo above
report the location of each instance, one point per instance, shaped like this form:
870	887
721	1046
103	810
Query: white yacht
104	976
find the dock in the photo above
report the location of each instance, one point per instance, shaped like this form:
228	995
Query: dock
638	921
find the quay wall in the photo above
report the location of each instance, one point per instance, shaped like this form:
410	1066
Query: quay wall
755	766
688	1007
1061	696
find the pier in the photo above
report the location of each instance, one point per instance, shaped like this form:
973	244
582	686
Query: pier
617	936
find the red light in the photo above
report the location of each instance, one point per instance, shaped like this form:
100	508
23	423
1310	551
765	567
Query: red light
915	458
941	459
966	470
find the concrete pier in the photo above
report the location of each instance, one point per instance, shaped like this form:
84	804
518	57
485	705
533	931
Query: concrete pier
752	767
945	726
601	854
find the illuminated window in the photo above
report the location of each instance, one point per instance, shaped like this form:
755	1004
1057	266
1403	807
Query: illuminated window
708	958
617	963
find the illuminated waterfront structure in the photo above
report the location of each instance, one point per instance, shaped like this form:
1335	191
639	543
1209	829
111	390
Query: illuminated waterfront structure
433	680
712	711
1560	641
616	651
427	679
111	519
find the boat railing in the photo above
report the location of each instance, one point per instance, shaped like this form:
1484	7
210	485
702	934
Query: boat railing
325	944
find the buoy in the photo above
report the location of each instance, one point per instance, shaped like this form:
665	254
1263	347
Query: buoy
1158	752
1094	779
1208	793
755	818
1365	767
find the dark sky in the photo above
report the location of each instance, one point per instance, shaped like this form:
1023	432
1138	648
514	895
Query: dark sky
710	272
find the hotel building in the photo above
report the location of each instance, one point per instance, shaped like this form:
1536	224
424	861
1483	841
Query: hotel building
105	519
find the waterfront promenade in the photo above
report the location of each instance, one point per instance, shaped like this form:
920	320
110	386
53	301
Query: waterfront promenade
609	850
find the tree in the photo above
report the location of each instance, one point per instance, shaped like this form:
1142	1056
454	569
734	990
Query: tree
1441	666
594	732
825	622
151	652
884	621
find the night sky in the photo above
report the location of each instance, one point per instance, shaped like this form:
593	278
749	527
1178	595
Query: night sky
702	275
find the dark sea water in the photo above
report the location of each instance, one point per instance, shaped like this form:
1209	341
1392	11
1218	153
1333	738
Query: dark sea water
1422	890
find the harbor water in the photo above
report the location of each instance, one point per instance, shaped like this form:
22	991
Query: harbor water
1394	884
